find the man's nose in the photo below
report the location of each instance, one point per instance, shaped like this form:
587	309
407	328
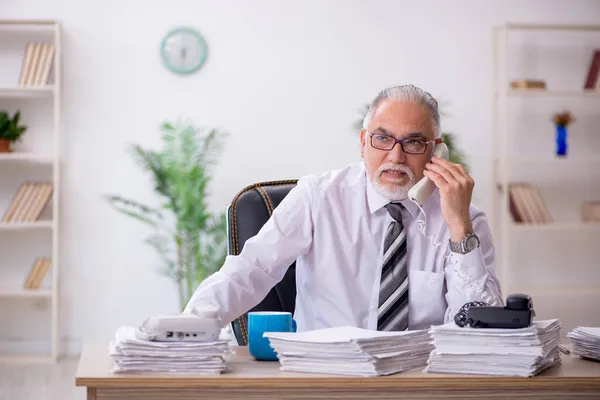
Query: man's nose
396	155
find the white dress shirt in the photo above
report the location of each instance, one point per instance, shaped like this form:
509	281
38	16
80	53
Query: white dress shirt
333	224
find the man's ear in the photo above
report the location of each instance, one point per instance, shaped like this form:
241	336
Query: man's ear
363	138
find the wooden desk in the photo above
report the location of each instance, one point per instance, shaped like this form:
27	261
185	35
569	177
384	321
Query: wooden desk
249	379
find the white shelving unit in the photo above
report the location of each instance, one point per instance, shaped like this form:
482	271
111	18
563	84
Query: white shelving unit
543	260
31	156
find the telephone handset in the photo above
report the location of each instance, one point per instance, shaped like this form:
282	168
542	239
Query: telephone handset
423	189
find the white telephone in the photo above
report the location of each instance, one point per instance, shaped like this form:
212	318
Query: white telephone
201	326
423	189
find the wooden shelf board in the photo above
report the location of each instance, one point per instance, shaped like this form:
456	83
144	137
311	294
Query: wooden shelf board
29	91
550	27
26	157
26	359
25	225
21	292
28	22
555	290
574	159
553	93
556	226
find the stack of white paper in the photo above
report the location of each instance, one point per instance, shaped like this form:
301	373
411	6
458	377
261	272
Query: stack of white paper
131	354
351	351
586	342
509	352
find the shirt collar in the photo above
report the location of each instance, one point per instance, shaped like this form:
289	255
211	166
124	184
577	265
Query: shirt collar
377	201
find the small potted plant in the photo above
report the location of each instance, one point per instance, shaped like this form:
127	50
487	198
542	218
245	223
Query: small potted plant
10	130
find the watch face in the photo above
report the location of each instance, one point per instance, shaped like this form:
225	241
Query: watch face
472	243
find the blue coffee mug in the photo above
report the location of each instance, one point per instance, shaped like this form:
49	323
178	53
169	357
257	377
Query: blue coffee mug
260	322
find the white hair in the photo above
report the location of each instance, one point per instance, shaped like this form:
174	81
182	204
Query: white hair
409	94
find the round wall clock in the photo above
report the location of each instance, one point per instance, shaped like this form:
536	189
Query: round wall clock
183	50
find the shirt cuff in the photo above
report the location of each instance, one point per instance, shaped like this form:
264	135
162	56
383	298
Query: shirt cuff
467	268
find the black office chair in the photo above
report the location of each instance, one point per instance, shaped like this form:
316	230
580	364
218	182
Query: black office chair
246	214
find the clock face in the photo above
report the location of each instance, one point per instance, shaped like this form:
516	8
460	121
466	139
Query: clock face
183	51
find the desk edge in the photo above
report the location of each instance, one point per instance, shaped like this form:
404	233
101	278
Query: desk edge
474	382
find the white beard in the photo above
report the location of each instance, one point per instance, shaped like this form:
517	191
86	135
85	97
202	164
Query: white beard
392	191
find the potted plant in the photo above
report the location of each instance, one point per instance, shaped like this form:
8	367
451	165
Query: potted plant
190	240
10	130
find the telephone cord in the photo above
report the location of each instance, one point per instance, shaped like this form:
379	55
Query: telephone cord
462	271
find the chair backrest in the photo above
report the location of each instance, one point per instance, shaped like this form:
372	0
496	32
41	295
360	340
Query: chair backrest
248	212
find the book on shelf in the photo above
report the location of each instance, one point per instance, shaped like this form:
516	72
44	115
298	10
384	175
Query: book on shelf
38	273
29	202
37	64
527	205
592	80
590	211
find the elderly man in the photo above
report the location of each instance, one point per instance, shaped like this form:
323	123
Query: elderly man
362	256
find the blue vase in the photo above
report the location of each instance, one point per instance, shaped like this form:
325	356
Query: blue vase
561	140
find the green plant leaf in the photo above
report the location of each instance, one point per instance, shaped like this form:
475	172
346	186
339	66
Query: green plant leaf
456	155
16	118
164	249
4	123
161	243
10	128
136	210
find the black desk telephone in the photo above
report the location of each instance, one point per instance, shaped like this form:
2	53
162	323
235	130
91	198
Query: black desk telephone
518	313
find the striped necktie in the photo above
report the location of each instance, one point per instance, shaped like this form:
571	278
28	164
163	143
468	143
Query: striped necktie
392	312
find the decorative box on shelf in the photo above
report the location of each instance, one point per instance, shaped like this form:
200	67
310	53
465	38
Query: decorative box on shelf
528	84
590	211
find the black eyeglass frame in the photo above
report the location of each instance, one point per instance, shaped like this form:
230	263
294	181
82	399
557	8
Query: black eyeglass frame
401	141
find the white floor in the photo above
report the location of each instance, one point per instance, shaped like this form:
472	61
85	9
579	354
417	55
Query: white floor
40	381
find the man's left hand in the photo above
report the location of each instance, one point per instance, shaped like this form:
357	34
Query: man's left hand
456	190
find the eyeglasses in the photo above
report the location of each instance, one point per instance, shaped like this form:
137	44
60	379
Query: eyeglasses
409	145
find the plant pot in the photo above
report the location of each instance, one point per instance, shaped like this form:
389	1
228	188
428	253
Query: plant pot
5	146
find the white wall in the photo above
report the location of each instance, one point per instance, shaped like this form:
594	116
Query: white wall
293	72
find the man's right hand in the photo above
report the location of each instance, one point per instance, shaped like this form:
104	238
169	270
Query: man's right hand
205	311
